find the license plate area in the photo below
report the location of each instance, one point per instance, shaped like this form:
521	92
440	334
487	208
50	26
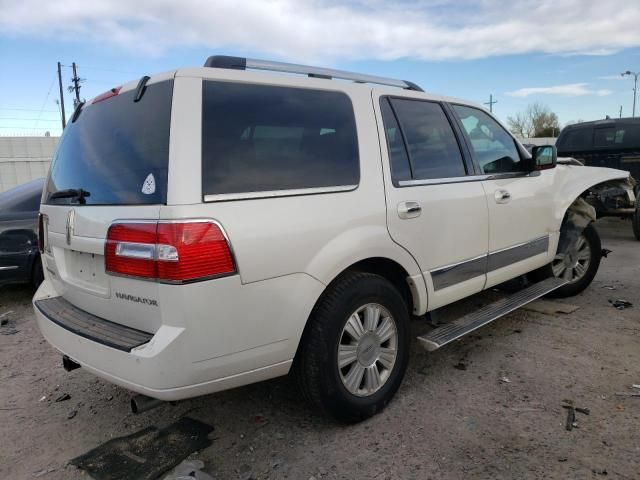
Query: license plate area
86	270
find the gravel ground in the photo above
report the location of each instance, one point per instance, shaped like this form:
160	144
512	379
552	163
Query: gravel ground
454	417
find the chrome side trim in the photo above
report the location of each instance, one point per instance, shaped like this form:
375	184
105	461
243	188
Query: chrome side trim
224	197
459	272
10	267
506	256
443	181
466	178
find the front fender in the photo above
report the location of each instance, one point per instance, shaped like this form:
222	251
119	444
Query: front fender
571	181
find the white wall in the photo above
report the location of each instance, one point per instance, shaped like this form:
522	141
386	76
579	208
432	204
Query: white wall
24	158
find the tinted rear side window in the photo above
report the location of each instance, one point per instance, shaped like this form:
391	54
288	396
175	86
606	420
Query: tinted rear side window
575	139
433	149
117	150
258	138
400	169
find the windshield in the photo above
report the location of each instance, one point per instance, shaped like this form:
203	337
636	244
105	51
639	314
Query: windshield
116	152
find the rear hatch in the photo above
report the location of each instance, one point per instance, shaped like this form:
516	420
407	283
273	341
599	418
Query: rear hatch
111	164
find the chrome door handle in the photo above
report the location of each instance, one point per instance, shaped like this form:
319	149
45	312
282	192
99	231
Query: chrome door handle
409	210
502	196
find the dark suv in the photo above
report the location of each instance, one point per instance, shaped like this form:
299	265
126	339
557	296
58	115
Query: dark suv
613	143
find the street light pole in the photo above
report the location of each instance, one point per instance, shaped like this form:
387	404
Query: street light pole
635	87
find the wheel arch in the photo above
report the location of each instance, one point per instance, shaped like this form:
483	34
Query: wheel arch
371	247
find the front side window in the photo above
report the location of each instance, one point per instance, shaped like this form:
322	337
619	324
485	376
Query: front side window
259	138
494	149
433	149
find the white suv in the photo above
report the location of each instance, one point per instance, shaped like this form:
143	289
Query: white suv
212	227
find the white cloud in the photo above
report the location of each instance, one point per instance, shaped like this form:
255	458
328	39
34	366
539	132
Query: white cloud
568	90
314	29
612	77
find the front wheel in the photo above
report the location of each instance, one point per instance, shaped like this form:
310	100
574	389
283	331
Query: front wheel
354	351
579	264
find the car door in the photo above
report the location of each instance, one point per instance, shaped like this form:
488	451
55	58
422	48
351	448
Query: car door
520	202
435	209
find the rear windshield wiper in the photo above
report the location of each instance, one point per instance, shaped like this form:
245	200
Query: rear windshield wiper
78	193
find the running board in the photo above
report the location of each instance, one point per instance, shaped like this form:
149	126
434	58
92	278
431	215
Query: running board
452	331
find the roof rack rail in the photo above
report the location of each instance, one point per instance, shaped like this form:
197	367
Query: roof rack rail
241	63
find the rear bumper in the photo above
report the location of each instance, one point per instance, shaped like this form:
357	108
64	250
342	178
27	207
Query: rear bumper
192	357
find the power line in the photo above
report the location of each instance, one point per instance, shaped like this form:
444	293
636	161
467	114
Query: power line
28	109
45	101
104	69
29	119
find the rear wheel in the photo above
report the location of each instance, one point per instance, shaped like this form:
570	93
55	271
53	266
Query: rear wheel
354	352
579	264
636	218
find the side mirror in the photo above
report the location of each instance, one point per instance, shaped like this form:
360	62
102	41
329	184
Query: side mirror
544	157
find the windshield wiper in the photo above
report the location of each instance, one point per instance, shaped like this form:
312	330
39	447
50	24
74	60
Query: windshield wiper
78	193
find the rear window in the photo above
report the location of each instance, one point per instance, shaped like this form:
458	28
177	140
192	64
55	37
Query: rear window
117	150
258	138
575	139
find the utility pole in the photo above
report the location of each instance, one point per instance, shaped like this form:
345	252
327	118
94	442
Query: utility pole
491	102
620	112
76	85
64	120
635	87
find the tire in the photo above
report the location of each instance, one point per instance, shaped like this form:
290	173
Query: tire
37	274
635	220
338	392
580	278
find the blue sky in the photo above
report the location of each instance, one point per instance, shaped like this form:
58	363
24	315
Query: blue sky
567	54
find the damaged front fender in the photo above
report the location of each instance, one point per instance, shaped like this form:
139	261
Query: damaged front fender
573	182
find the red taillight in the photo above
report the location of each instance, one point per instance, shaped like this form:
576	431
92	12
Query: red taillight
173	252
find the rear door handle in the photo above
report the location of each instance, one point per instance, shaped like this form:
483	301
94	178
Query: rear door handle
408	210
502	196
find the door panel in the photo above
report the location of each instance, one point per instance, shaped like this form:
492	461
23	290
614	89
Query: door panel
442	222
520	204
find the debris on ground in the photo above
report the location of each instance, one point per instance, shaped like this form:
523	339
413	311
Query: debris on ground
187	470
606	252
620	304
505	380
44	471
63	397
625	394
42	398
549	307
146	454
609	287
8	323
72	414
635	385
460	366
571	408
3	319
